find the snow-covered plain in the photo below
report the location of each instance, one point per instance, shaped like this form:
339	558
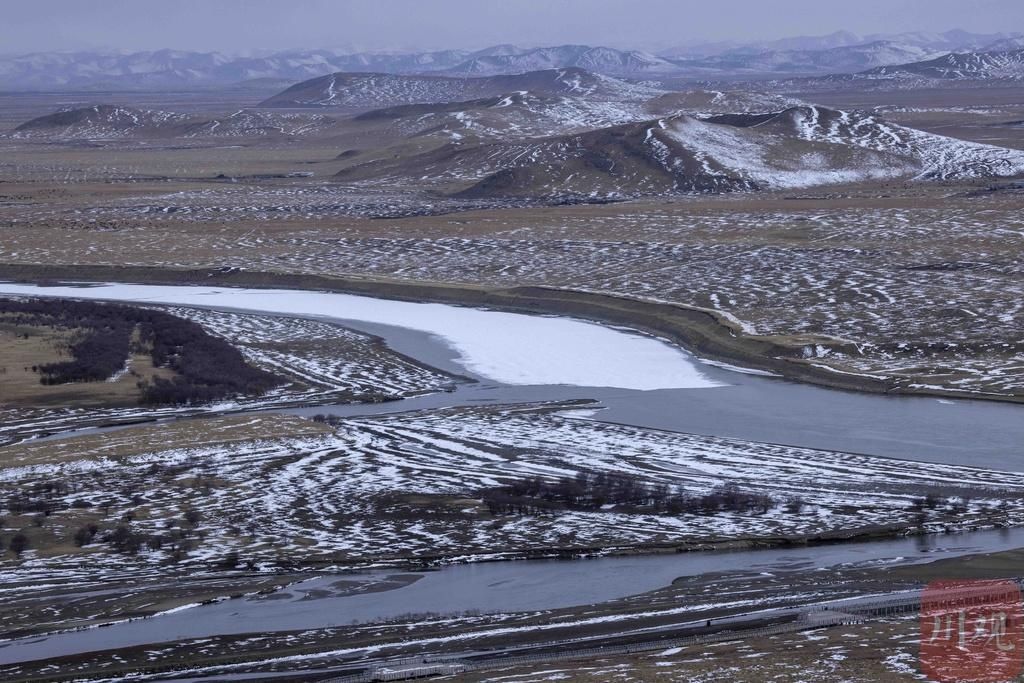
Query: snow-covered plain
507	347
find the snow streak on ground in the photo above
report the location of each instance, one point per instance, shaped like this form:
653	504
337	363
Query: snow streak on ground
409	486
323	356
923	291
322	363
939	157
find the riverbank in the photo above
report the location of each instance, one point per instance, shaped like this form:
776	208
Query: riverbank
707	333
733	597
837	537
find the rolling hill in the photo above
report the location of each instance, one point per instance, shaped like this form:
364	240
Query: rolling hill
104	122
377	90
802	146
602	60
524	114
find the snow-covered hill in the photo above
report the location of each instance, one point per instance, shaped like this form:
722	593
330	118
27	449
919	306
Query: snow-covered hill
602	60
800	146
524	114
375	90
930	156
515	115
105	122
958	66
99	121
709	102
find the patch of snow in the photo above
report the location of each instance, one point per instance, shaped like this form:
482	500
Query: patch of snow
507	347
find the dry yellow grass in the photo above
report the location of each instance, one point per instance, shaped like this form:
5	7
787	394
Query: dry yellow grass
24	346
194	432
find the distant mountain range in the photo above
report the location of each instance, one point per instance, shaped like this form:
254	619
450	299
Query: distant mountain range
956	40
999	67
843	59
835	53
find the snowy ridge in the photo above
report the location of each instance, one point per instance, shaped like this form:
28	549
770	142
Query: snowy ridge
598	59
704	103
842	58
516	115
948	41
1008	64
802	146
374	90
163	68
99	121
772	161
176	68
109	122
937	156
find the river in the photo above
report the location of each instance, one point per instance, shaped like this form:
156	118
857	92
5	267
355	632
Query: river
694	397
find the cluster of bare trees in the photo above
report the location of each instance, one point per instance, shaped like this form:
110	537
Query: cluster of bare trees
622	492
18	543
41	497
206	368
98	349
176	540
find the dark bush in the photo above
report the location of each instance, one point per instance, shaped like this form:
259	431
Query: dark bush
229	561
193	517
83	536
795	505
19	544
207	368
587	491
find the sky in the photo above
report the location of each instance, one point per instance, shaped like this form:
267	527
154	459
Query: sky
247	25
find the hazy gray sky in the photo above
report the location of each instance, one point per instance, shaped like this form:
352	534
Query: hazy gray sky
237	25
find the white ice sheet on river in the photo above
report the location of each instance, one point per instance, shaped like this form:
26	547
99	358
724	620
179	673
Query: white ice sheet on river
506	347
